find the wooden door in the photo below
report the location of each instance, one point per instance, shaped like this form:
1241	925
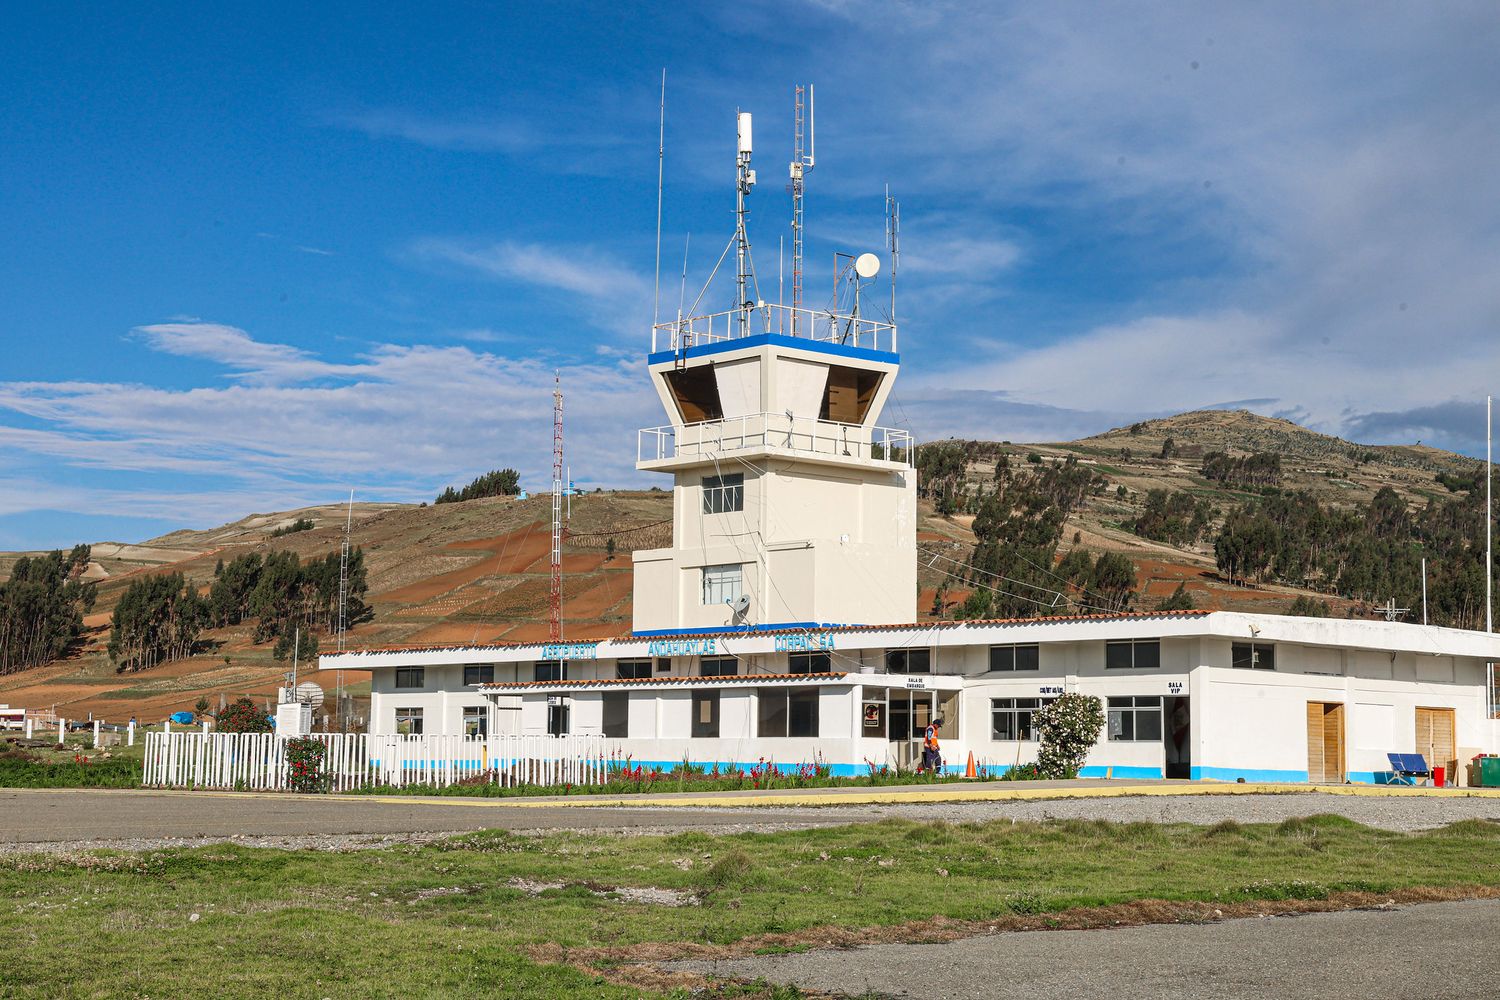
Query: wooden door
1333	744
1325	742
1315	741
1436	739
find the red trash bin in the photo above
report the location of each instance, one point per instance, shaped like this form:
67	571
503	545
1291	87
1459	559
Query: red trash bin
1438	774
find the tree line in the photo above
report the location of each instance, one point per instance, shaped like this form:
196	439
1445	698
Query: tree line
161	617
1246	471
500	482
1371	553
42	607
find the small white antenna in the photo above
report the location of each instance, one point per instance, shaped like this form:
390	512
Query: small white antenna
893	242
661	158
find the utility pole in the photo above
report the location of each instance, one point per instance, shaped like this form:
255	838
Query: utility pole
744	181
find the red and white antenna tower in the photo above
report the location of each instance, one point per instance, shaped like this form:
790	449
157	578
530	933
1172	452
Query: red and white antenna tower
555	597
803	148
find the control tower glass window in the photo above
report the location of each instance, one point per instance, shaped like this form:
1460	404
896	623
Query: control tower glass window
722	584
724	494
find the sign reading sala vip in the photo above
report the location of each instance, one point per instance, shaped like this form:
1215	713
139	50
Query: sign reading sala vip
806	642
683	647
570	651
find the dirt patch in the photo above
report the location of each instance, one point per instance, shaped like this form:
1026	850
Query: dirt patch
457	633
611	589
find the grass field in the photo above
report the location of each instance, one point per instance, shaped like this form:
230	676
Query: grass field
493	914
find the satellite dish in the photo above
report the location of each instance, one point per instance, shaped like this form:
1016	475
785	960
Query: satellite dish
309	693
867	265
740	604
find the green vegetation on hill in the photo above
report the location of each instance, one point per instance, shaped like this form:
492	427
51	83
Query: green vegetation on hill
157	620
42	607
1371	553
501	482
301	524
284	594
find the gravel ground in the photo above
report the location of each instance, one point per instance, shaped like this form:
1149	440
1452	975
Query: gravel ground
56	821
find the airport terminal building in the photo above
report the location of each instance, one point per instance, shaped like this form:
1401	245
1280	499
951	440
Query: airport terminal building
781	624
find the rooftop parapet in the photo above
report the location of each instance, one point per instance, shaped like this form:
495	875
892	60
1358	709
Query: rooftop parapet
824	325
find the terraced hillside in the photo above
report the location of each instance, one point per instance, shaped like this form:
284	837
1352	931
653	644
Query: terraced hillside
478	571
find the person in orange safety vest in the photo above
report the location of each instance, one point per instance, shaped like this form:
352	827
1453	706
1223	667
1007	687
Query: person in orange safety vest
932	757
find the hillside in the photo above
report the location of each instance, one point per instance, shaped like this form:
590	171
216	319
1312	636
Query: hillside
478	571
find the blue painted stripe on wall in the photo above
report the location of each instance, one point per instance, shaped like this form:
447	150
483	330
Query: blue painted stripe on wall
776	340
1249	774
1119	771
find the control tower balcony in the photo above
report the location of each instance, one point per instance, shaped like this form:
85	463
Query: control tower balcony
818	326
663	449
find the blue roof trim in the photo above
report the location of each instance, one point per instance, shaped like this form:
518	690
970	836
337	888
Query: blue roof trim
663	633
776	340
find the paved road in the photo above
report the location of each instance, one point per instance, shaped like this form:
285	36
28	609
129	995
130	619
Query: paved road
1449	951
144	819
138	820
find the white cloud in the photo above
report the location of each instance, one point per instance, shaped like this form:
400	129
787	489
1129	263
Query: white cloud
399	424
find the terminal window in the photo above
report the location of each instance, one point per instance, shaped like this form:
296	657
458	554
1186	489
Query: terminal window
1011	718
1253	656
787	712
550	670
724	494
718	666
1015	658
1143	654
409	721
908	661
476	720
722	584
808	663
1135	719
632	669
410	677
479	673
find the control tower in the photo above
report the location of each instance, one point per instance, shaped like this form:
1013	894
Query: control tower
790	505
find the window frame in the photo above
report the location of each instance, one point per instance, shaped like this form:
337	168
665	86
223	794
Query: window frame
718	584
778	708
1256	651
480	712
485	671
904	656
811	663
1017	709
559	715
638	668
549	670
1135	646
724	494
1132	709
407	672
718	666
1014	650
412	714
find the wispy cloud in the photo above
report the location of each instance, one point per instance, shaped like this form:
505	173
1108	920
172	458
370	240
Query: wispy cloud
510	135
400	422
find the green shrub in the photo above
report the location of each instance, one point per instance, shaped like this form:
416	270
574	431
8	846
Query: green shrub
1069	728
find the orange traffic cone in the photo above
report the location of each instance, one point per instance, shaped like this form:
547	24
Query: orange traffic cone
970	772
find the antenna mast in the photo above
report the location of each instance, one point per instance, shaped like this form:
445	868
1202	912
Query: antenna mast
343	621
893	242
555	596
744	181
803	150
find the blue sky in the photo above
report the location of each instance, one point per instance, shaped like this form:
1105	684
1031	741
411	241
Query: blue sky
249	261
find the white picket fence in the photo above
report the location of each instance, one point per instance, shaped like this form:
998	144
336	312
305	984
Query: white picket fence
257	761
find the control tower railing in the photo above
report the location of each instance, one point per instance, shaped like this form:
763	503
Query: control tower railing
773	431
823	325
